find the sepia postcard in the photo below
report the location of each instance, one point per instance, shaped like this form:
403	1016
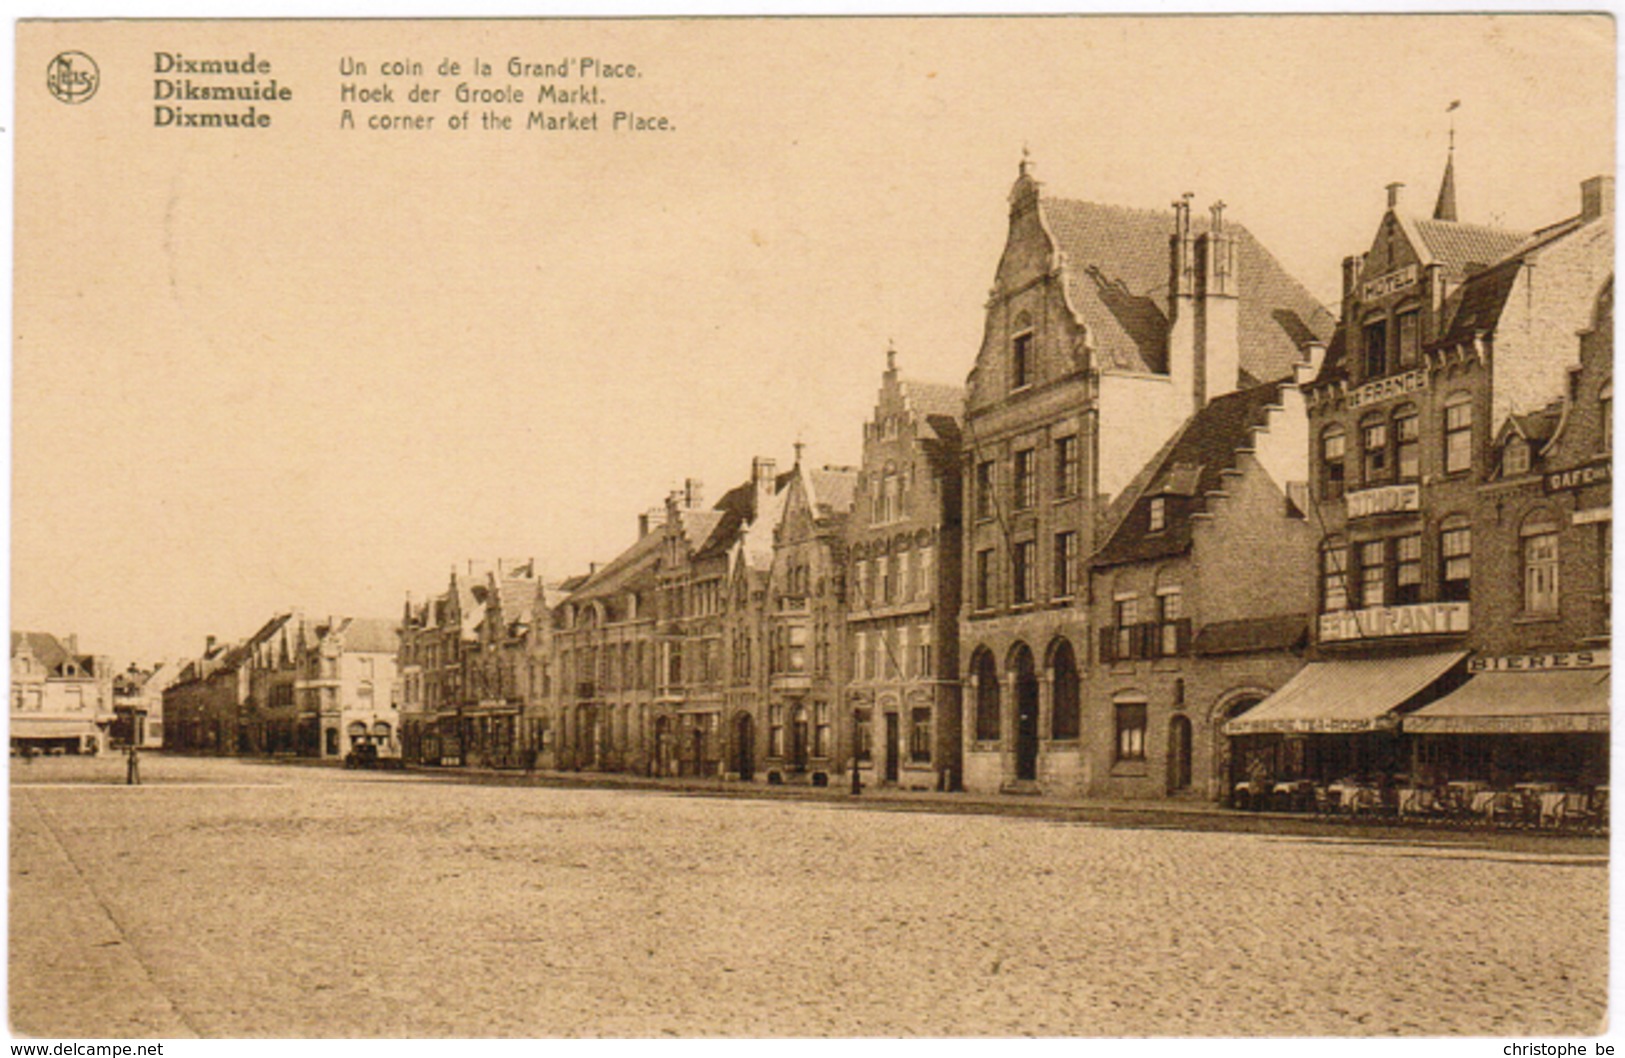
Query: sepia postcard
807	527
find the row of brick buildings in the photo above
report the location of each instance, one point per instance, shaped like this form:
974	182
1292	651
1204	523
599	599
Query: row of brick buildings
298	685
1182	523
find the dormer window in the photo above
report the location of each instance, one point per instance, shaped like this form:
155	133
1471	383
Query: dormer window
1515	459
1159	514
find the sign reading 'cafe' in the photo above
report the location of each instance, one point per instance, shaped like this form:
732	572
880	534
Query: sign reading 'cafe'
1596	472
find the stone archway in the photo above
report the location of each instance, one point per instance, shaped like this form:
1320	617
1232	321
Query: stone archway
1024	676
1228	707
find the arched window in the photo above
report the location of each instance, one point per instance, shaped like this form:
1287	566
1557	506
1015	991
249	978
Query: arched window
987	697
1064	712
1333	451
1539	540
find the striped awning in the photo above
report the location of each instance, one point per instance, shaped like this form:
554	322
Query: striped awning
1344	696
1513	703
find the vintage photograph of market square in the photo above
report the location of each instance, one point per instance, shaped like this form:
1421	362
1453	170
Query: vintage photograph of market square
1014	527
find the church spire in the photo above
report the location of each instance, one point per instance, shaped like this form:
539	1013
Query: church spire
1445	208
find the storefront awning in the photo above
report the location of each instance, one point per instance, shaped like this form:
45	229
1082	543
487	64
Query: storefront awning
51	727
1511	703
1344	697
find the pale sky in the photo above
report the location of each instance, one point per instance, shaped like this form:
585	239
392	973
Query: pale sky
307	366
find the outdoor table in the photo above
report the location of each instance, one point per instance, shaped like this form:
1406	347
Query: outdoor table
1415	800
1483	803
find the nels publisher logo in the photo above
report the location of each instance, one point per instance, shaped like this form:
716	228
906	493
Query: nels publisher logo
73	77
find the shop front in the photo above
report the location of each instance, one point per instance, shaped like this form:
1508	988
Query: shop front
1334	730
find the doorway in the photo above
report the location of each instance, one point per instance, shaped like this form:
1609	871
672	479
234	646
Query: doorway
744	747
893	739
1179	754
1026	713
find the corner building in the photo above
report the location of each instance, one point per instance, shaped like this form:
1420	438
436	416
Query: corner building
1460	469
1107	329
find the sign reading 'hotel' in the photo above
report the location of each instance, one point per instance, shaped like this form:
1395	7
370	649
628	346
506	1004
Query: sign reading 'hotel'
1389	499
1391	283
1423	619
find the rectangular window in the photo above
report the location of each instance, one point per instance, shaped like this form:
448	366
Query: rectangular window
984	490
1066	467
1332	467
1515	460
1407	570
1066	554
1130	730
1127	614
864	734
922	652
1373	582
1021	351
1540	572
860	656
1456	554
894	654
1168	623
796	657
1021	572
1458	437
821	740
775	730
927	580
1025	483
919	736
1374	442
1605	548
1407	446
1376	349
1410	345
1158	517
984	579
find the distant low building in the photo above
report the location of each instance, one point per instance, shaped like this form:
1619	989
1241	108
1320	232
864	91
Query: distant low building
138	705
61	700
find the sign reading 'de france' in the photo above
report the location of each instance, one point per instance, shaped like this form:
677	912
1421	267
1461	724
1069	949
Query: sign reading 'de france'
1392	386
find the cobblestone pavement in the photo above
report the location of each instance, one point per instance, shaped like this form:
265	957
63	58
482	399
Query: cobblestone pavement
231	898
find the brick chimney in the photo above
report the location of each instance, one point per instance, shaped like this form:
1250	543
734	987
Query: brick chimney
762	473
1218	327
1396	194
1596	197
693	493
1182	315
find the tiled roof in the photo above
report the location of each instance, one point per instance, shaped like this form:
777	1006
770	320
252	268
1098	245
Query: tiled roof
614	576
833	488
369	635
1466	248
43	645
738	509
934	398
1204	449
1253	635
1117	278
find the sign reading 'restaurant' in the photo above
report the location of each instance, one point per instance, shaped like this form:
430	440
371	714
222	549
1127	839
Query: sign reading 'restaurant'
1424	619
1574	659
1392	386
1596	472
1389	499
